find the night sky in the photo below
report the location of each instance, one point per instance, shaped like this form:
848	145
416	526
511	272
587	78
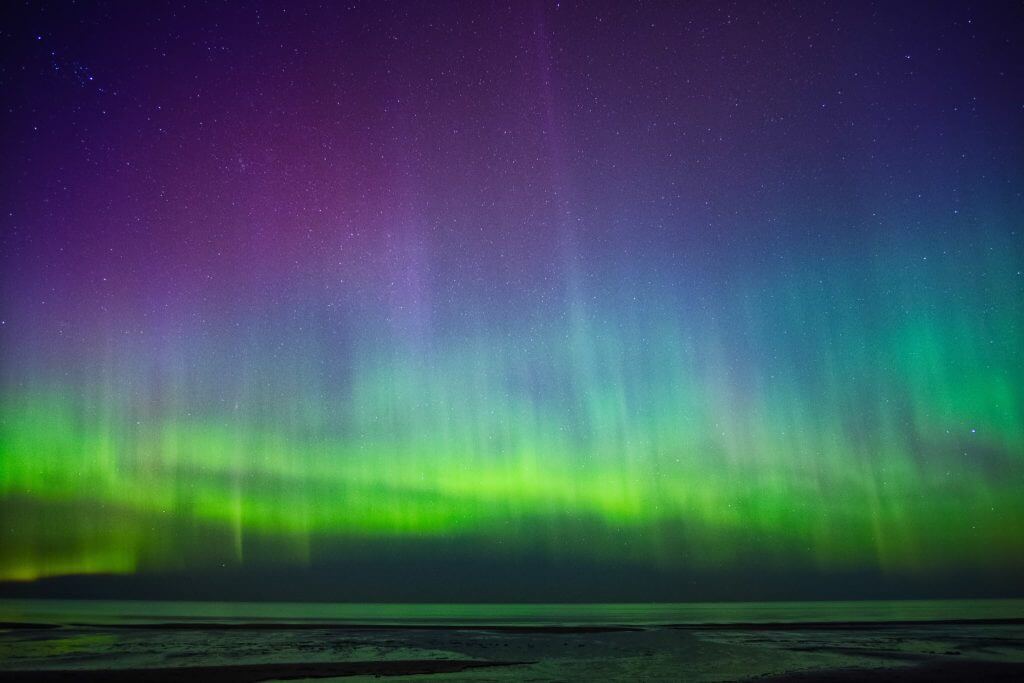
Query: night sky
512	300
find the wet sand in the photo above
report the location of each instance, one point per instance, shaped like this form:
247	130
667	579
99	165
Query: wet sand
954	671
940	672
250	673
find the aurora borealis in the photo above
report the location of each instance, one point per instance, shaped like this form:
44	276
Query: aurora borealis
681	286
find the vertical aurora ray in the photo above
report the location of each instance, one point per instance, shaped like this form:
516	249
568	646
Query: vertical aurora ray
896	442
323	338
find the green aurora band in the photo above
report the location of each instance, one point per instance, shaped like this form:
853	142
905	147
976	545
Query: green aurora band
867	416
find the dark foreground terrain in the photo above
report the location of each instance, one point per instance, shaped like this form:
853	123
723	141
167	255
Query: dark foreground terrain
259	651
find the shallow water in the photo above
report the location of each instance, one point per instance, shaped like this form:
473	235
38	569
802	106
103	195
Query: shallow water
644	614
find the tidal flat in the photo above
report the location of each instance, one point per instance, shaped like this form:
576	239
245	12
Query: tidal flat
39	646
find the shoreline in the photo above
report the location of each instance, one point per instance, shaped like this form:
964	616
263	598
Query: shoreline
198	625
